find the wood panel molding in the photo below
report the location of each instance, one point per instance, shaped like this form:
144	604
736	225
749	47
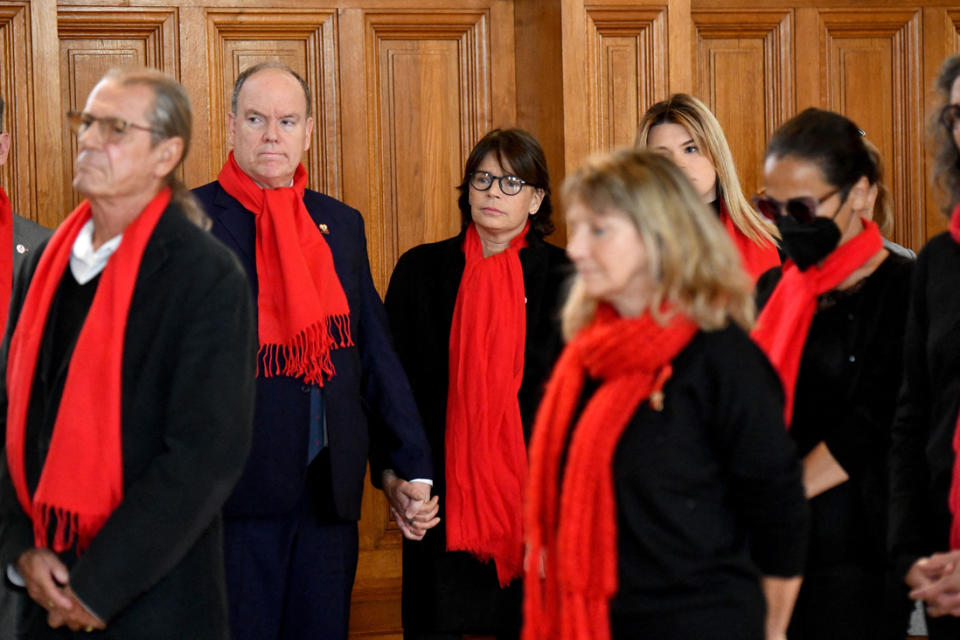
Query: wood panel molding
18	175
626	70
953	17
745	58
304	40
428	102
870	72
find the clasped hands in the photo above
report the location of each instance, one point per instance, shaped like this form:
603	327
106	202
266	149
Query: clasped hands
411	505
47	581
936	580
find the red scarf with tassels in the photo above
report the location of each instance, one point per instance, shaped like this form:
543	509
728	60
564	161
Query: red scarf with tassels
781	330
302	311
757	258
954	497
571	526
82	478
486	458
6	257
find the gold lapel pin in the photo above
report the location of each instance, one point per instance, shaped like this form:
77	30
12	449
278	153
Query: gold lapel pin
323	229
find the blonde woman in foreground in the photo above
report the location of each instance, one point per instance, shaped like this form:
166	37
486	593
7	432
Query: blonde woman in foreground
654	458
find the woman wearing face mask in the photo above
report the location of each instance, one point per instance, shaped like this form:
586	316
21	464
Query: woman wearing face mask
475	319
832	324
925	465
684	130
665	498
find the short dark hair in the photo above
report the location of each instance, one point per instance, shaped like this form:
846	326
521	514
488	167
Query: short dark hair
524	154
946	156
830	141
269	64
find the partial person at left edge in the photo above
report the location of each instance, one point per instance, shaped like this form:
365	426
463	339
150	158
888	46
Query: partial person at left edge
128	401
18	236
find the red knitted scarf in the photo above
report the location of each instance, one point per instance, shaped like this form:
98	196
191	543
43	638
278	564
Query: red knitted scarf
82	478
781	330
6	256
570	515
302	311
486	458
955	481
757	258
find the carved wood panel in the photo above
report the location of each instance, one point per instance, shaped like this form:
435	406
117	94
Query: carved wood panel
870	72
18	175
94	40
745	75
626	71
304	40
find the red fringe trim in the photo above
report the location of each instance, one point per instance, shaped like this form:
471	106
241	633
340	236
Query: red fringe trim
70	530
307	355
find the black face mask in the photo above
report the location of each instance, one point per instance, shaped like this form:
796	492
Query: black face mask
808	244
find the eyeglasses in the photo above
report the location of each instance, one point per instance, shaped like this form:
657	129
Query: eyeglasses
803	210
509	185
110	129
950	116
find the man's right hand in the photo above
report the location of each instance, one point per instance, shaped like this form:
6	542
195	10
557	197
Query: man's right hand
45	578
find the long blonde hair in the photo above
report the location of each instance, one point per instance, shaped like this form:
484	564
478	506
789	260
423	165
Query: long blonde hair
693	264
702	125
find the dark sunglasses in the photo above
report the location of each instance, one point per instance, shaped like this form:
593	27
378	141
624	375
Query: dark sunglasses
949	116
803	210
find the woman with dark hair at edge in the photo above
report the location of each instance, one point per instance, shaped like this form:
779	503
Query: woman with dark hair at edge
684	130
665	498
476	322
925	478
832	323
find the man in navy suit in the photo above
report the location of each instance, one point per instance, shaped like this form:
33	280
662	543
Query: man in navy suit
331	392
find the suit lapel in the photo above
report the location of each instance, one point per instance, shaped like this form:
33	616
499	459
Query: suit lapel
239	223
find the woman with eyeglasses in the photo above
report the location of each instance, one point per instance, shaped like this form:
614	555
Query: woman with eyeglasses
684	130
476	322
925	467
832	323
665	498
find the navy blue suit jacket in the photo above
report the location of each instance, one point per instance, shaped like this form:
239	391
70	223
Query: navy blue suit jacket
370	411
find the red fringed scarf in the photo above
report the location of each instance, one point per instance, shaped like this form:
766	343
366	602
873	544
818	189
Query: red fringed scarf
757	258
6	256
781	330
571	571
486	458
954	497
82	478
302	310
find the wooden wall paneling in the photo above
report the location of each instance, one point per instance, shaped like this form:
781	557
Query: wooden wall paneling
18	175
870	66
745	75
94	40
306	40
626	50
429	100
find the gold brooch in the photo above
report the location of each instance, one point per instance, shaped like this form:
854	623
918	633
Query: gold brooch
323	229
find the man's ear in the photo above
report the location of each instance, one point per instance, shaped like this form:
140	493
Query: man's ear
4	147
170	151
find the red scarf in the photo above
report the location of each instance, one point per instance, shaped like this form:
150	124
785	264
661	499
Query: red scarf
572	535
486	457
302	310
757	258
781	330
6	256
82	478
954	498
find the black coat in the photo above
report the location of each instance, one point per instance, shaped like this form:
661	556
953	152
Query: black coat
452	591
155	569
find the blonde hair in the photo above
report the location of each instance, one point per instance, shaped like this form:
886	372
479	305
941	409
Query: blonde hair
702	125
694	266
883	205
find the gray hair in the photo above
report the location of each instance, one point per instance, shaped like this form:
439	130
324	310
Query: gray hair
269	64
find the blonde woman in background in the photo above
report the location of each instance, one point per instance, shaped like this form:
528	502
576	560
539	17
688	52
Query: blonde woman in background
683	129
665	499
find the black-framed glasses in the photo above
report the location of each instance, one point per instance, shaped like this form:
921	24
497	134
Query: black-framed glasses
803	210
950	116
509	185
110	129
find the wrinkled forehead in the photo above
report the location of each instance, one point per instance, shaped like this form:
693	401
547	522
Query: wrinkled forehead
110	97
270	90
